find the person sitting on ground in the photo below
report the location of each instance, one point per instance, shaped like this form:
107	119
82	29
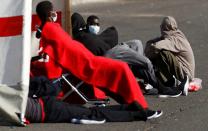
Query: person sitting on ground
93	24
173	58
65	54
43	106
130	51
107	40
109	35
51	110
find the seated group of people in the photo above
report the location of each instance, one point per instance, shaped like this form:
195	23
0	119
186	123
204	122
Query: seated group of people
165	67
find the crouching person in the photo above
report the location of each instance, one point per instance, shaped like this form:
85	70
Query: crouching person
173	58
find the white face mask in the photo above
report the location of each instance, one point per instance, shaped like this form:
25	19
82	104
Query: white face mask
54	17
94	29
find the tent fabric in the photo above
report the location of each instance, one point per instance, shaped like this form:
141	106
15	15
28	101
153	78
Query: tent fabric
15	45
15	57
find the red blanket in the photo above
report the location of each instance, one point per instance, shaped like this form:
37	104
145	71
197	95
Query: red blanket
70	55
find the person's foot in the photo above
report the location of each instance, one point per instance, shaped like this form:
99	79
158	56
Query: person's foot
134	106
173	93
149	90
176	82
184	85
153	114
87	121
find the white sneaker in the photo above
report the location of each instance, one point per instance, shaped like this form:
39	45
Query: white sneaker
148	87
177	82
87	121
153	114
185	85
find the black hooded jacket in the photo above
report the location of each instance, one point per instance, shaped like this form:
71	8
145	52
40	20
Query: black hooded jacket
97	44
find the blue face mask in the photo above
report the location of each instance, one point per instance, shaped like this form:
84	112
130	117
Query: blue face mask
94	29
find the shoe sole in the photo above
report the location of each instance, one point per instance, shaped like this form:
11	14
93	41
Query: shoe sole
85	121
171	96
156	115
186	86
153	116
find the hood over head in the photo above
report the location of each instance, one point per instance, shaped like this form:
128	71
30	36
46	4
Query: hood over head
78	23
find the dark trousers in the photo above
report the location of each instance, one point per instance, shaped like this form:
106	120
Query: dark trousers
58	111
166	66
148	76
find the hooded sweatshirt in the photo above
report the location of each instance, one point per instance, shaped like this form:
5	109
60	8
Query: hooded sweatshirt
172	39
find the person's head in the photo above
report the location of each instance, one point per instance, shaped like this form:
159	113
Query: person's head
78	23
93	24
168	24
45	12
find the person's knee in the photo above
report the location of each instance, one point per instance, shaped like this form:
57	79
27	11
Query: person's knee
137	43
164	53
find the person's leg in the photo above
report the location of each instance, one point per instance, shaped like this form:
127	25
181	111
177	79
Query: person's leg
124	53
58	111
34	112
123	83
138	63
167	66
51	110
148	75
136	45
122	113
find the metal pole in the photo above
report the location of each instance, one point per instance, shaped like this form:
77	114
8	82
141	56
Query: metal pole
75	89
68	17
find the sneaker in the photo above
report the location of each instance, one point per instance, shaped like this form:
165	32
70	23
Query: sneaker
87	121
172	94
177	82
153	114
184	85
149	90
139	80
148	87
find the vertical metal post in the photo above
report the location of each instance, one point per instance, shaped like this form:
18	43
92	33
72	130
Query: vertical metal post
68	16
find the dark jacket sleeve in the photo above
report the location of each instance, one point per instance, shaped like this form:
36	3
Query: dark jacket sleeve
110	36
93	43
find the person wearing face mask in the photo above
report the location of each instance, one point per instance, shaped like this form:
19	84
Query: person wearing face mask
173	57
93	24
53	17
109	35
87	35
